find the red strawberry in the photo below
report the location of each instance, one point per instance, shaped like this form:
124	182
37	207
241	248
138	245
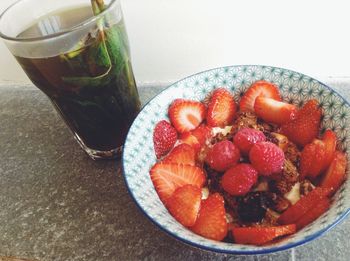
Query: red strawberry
190	139
238	180
316	211
202	133
303	205
267	158
221	108
182	153
260	235
196	138
164	138
335	174
312	159
305	127
211	221
274	111
222	156
167	177
330	141
184	204
186	115
245	139
259	88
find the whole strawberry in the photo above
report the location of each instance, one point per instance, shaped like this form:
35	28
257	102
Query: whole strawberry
164	138
245	139
223	155
267	158
238	180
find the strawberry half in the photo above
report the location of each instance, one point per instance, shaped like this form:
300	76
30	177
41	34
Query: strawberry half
186	115
317	156
167	177
259	88
335	174
184	204
196	138
305	127
316	211
164	138
273	111
312	159
221	108
182	153
330	141
211	222
260	235
303	205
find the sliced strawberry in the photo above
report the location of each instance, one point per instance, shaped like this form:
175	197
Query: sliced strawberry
335	174
305	127
273	111
330	140
182	153
167	177
202	133
164	138
211	222
190	139
259	88
186	115
184	204
316	211
260	235
312	159
221	108
303	205
196	138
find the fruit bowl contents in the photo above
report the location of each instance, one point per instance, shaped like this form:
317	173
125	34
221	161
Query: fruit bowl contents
248	173
241	159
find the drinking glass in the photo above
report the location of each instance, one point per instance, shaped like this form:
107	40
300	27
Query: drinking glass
81	61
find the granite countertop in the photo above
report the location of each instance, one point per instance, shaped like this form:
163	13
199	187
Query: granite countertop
58	204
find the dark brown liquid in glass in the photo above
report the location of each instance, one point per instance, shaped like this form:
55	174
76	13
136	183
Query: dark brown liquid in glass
92	86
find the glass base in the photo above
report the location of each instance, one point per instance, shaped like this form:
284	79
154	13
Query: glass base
98	154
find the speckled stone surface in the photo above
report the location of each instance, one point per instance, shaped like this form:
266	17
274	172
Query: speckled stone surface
58	204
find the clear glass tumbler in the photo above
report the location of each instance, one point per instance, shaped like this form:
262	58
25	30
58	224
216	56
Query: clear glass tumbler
81	61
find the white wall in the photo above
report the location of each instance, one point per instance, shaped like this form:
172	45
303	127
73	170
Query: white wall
171	39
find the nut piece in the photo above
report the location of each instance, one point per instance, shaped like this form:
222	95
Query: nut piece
279	139
245	120
288	177
306	187
263	185
270	218
280	204
292	153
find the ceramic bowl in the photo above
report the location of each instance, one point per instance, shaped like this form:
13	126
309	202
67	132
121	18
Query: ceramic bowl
296	88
